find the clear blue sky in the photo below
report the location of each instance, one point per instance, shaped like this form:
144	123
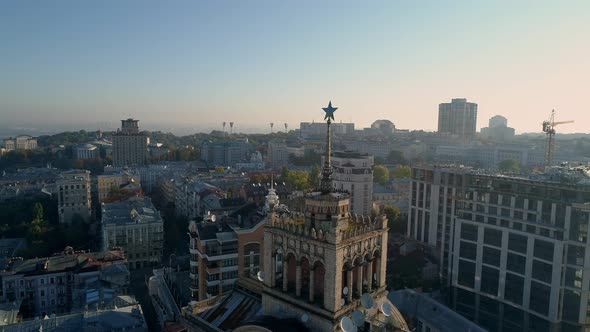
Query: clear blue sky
198	63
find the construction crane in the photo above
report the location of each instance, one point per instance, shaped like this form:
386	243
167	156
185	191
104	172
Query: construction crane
549	129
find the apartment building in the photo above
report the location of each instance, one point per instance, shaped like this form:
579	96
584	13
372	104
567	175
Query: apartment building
68	282
136	227
73	195
121	179
353	172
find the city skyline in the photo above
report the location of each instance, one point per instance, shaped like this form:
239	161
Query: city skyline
195	65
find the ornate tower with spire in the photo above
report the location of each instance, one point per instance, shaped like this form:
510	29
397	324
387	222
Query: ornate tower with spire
318	263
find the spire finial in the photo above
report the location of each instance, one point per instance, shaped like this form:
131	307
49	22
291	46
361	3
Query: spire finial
326	185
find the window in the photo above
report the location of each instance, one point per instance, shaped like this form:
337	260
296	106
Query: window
492	237
543	250
539	299
542	271
468	250
571	305
515	263
466	273
517	243
491	256
513	288
573	277
575	255
468	232
489	280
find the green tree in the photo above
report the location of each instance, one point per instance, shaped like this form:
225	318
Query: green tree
401	171
219	169
395	157
509	165
314	176
380	174
299	180
38	211
394	222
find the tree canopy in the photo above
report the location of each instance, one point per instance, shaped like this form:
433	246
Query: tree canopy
401	171
380	174
509	165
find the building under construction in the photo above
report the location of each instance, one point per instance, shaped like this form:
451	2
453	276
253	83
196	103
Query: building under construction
514	251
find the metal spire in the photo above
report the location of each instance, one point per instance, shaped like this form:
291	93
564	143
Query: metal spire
326	185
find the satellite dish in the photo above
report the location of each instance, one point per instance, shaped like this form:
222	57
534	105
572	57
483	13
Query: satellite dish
345	290
358	318
305	318
347	325
213	218
386	308
367	301
343	301
260	275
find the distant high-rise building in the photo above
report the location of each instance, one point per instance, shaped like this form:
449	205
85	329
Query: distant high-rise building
353	172
458	118
498	129
129	145
73	195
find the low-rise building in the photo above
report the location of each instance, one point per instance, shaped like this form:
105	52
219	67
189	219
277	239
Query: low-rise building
22	142
86	151
423	313
106	182
136	226
70	281
119	318
10	248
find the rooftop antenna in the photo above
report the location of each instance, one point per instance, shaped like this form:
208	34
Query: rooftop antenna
347	325
386	308
358	318
367	301
304	318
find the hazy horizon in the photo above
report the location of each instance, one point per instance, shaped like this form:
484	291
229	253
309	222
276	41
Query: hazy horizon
196	64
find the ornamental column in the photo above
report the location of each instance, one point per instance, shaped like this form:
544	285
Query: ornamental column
349	279
285	276
311	283
359	279
370	275
298	279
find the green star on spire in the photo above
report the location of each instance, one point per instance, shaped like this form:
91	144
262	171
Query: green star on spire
329	111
